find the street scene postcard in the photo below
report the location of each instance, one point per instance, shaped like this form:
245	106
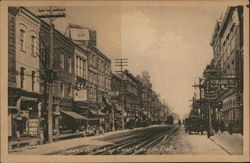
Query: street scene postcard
120	81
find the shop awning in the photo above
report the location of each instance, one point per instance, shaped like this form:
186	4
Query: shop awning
73	115
94	112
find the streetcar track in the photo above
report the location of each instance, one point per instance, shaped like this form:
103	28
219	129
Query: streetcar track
144	142
122	145
157	140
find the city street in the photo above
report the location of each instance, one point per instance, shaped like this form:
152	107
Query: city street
164	80
156	139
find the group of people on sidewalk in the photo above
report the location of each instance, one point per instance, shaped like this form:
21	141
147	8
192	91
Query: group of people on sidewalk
231	127
218	125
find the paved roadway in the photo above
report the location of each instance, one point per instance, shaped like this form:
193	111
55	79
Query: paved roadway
153	140
137	141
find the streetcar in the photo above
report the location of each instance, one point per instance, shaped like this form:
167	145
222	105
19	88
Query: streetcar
170	120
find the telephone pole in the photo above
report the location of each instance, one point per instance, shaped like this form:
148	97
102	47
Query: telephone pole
52	14
121	62
200	86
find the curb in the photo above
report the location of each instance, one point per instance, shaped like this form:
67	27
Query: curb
220	146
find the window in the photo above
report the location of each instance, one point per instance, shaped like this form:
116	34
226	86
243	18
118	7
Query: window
62	89
70	65
80	65
70	90
22	77
62	61
22	36
83	68
94	61
33	80
76	65
33	39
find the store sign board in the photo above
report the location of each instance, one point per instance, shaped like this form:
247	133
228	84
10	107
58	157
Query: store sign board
80	95
79	34
229	81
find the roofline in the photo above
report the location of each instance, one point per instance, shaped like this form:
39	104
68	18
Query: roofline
225	19
100	53
68	39
214	35
42	21
132	76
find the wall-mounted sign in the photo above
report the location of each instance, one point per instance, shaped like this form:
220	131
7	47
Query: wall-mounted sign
80	95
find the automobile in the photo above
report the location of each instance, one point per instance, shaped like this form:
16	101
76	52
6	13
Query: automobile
194	124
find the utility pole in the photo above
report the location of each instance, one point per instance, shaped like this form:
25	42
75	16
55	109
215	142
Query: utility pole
97	91
209	130
121	62
50	13
200	86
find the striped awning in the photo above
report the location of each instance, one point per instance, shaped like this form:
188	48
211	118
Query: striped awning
94	112
74	115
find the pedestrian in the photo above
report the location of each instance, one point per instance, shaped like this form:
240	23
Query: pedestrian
216	126
230	127
222	126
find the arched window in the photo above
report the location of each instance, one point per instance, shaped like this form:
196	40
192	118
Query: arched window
33	45
22	38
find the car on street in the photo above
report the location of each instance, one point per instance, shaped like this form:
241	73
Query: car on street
194	124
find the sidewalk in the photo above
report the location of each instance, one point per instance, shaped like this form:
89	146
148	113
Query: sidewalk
184	143
63	145
233	144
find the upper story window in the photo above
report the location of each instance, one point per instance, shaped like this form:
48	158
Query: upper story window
76	65
80	67
62	88
33	42
33	76
84	68
70	90
70	65
22	37
62	61
22	77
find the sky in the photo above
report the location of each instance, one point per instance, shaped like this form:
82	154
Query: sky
170	42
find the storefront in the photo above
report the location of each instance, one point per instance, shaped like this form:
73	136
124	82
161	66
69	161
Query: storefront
24	115
71	121
65	119
231	112
118	116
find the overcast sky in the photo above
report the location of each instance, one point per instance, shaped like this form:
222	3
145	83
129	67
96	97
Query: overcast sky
170	42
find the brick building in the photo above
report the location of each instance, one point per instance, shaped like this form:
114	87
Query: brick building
99	74
116	99
24	75
227	44
66	80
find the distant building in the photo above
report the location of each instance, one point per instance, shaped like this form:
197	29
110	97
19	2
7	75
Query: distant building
146	95
116	99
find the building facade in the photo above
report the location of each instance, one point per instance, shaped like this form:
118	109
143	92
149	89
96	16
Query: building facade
69	76
98	74
227	44
132	98
24	77
117	100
